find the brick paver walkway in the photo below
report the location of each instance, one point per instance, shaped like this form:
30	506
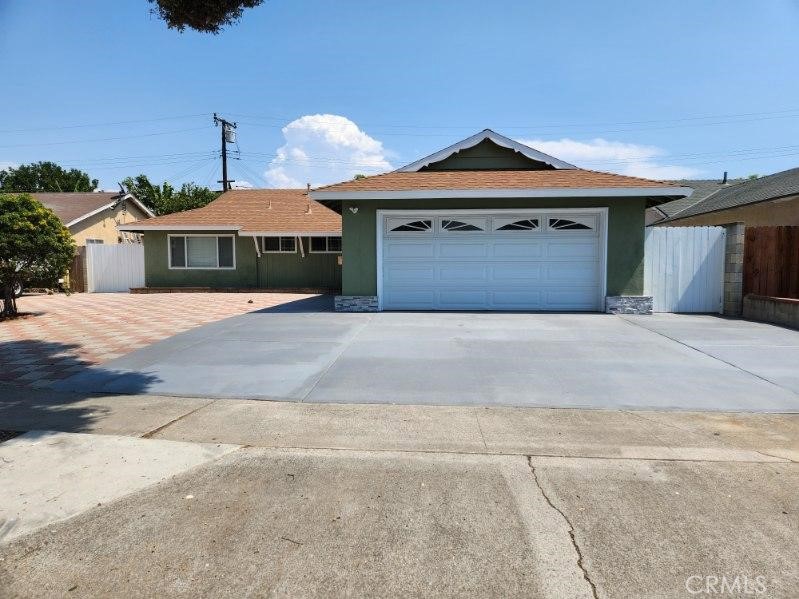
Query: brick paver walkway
67	333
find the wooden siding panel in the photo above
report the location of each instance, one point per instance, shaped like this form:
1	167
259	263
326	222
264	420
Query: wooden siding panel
771	261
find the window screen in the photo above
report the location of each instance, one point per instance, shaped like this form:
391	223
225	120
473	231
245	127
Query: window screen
288	244
225	252
334	244
318	244
271	244
177	251
201	252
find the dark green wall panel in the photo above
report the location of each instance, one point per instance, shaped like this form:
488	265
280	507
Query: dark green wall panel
270	271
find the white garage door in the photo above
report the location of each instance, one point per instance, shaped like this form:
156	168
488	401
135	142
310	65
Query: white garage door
507	260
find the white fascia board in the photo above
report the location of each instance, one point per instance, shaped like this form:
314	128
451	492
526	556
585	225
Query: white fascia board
540	192
472	141
90	214
110	205
141	206
290	233
145	227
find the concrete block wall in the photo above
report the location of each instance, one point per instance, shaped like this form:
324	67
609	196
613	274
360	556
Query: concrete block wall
777	310
734	269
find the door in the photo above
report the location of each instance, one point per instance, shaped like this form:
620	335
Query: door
498	260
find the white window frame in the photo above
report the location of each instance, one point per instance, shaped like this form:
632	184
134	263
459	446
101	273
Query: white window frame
327	249
278	251
186	258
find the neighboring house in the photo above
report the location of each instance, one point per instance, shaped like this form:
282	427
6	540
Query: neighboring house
772	200
491	224
258	238
93	217
702	188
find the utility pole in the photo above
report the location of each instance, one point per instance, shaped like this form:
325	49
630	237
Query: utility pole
228	135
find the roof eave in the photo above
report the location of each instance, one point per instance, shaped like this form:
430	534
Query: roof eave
540	192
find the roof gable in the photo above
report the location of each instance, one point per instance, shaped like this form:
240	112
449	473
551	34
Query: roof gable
535	159
73	208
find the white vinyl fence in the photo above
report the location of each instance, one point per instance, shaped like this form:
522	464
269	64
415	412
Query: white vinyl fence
684	268
114	267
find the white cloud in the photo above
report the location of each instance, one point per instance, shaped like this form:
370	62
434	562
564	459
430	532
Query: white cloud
240	184
325	148
6	165
614	156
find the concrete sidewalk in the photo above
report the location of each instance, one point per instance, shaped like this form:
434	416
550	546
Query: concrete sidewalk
390	501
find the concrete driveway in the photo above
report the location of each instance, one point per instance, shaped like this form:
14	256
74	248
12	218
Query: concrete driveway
304	352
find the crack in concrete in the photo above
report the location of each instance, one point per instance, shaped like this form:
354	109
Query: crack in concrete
155	431
480	428
576	545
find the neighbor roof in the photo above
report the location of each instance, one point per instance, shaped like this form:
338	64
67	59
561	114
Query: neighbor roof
251	212
485	134
770	187
440	183
72	208
703	188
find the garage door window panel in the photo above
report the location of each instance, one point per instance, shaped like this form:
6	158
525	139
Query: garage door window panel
568	224
405	225
522	224
463	225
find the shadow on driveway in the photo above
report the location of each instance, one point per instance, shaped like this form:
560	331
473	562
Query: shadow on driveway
31	407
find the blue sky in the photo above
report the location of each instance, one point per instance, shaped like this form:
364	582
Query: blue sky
322	90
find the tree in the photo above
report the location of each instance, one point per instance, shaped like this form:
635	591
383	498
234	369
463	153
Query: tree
205	16
44	176
164	199
34	245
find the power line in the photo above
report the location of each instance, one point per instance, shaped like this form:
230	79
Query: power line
111	124
78	141
738	118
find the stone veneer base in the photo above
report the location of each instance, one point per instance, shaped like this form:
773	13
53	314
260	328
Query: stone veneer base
628	304
356	303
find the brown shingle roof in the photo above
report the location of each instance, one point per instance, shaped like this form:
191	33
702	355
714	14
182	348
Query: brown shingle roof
70	206
441	180
254	211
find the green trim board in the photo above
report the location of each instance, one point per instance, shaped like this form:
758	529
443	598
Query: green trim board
269	271
625	236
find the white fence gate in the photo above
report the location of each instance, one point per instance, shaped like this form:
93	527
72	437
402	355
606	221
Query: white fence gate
684	268
114	267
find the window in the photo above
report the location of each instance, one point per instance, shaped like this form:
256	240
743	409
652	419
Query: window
201	251
527	224
415	225
458	225
88	241
279	245
564	224
325	245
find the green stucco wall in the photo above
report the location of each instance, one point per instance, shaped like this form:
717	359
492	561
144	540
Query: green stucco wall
625	236
270	271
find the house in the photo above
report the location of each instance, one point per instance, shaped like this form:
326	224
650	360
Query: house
702	188
491	224
772	200
275	239
93	217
